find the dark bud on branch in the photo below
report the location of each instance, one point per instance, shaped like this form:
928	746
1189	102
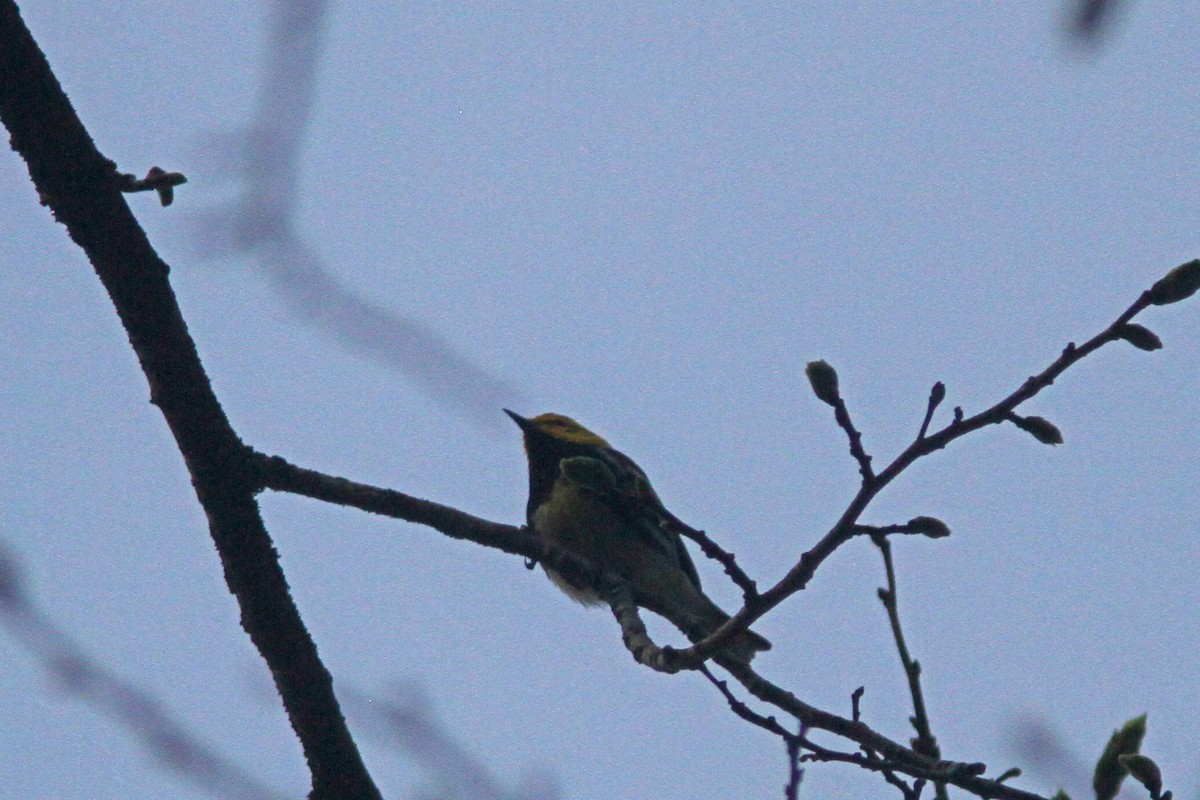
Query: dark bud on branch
932	527
157	179
1144	771
1039	428
1178	284
1009	774
937	394
824	382
1106	780
1140	336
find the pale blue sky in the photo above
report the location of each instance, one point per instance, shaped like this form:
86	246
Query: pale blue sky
648	217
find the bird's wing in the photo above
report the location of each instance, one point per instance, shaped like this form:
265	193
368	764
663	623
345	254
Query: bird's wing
636	501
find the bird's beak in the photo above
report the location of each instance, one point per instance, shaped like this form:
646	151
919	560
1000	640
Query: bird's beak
517	418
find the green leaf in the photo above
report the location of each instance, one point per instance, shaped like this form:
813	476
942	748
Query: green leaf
1144	771
824	382
1106	781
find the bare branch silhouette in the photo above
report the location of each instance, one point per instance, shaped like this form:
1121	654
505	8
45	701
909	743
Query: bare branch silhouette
406	718
80	674
261	223
83	190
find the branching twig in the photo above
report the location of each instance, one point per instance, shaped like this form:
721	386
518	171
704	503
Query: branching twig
867	762
798	742
769	724
901	759
909	792
795	772
1176	285
925	742
723	557
936	395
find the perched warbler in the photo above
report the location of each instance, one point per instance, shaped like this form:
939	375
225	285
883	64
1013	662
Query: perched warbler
596	503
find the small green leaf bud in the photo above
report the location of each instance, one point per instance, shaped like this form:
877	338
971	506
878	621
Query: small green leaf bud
1040	428
1140	336
1178	284
932	527
937	394
824	382
1009	774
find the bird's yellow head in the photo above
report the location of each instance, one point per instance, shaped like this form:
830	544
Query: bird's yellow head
559	428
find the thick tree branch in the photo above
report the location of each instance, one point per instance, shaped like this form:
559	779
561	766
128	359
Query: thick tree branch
82	189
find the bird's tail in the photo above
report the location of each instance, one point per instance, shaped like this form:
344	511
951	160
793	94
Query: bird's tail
706	617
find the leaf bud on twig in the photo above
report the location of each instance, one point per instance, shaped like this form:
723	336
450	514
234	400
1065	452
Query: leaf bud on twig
1139	336
1178	284
932	527
824	381
1039	428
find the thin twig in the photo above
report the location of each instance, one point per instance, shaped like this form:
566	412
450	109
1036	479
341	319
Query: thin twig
795	773
842	415
892	755
739	707
889	775
276	473
936	395
925	742
722	556
797	742
868	762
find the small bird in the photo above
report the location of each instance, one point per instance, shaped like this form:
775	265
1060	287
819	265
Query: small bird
596	503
